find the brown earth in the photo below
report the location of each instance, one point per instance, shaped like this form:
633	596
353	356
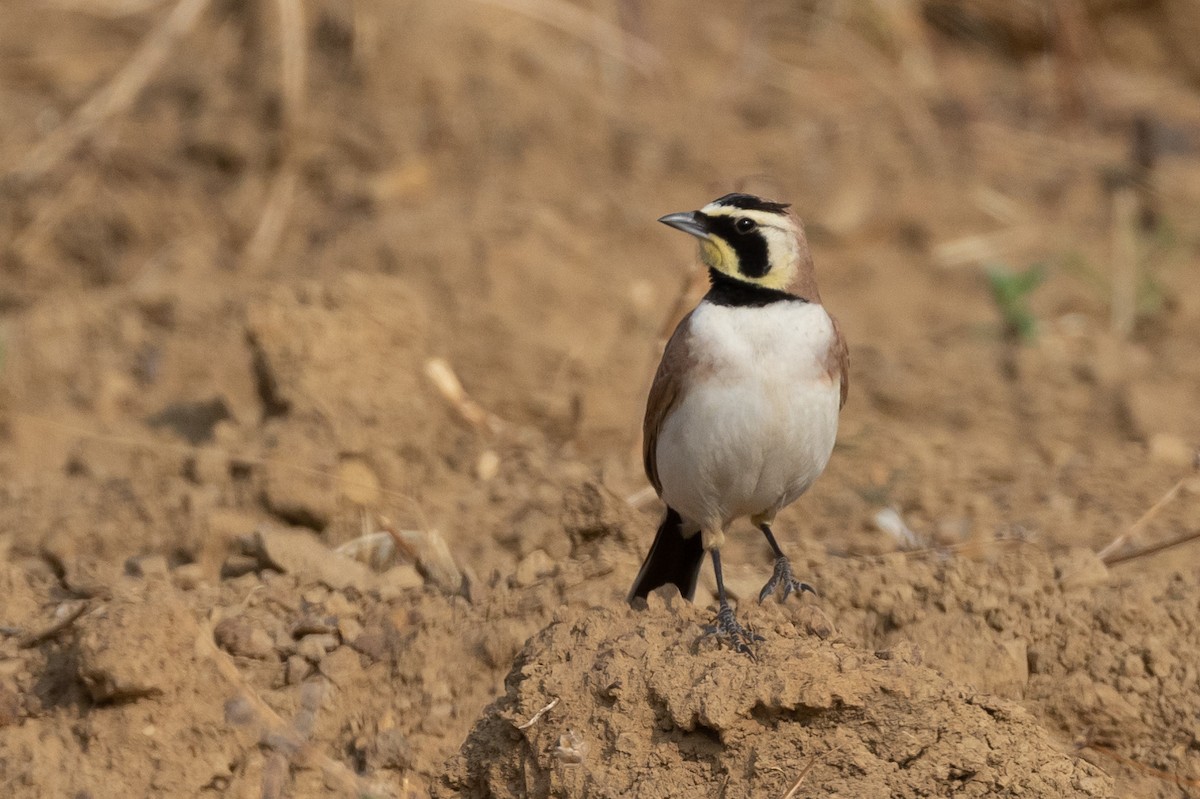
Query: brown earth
222	300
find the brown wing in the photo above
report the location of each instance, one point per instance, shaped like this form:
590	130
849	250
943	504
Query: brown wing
665	391
837	360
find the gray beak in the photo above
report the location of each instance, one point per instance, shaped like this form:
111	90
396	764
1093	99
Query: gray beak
688	222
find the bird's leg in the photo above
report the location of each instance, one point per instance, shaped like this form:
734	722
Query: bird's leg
728	628
782	576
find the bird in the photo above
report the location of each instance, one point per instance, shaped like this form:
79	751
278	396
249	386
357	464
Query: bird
742	414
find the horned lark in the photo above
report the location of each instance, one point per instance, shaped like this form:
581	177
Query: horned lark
743	411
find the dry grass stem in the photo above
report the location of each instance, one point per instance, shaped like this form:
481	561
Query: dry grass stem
1153	549
442	375
800	779
271	224
293	68
983	247
376	550
534	719
999	206
46	633
890	521
1109	553
115	96
641	498
273	730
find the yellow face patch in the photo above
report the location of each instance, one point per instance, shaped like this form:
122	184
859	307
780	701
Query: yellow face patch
716	253
778	234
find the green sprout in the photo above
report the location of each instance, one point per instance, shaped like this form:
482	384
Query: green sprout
1010	292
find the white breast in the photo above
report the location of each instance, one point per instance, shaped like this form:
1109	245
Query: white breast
757	423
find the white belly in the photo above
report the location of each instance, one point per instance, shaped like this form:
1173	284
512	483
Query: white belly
757	425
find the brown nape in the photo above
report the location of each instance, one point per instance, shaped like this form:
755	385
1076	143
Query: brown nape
804	284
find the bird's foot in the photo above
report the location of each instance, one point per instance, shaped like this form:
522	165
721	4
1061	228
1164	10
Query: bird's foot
783	579
729	630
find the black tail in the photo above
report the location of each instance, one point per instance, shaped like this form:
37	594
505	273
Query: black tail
672	559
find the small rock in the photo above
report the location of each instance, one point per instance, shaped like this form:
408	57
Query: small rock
487	466
357	482
533	566
314	647
338	605
1152	408
188	577
626	743
592	513
284	643
1171	450
305	498
390	750
238	565
814	621
371	642
314	626
434	559
146	566
10	706
300	553
398	579
315	595
665	597
342	666
133	646
297	670
349	629
902	652
240	638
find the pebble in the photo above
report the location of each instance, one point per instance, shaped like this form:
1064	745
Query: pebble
1171	450
242	639
297	670
349	629
314	647
188	577
338	605
372	643
358	483
533	566
314	626
398	580
342	666
302	554
237	566
146	566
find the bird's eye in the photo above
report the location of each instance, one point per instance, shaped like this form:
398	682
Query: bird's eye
744	225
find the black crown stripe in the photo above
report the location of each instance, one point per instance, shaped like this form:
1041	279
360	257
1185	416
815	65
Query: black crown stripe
749	202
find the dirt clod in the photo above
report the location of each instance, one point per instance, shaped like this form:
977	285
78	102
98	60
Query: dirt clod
635	690
126	646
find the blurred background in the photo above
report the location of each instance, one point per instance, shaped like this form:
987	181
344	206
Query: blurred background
249	226
351	264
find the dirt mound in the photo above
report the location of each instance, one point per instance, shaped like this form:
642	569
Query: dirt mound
643	703
194	416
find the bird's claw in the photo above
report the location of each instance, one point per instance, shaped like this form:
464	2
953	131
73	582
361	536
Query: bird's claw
728	629
782	578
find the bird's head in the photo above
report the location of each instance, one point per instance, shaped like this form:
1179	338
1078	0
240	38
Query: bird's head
749	239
